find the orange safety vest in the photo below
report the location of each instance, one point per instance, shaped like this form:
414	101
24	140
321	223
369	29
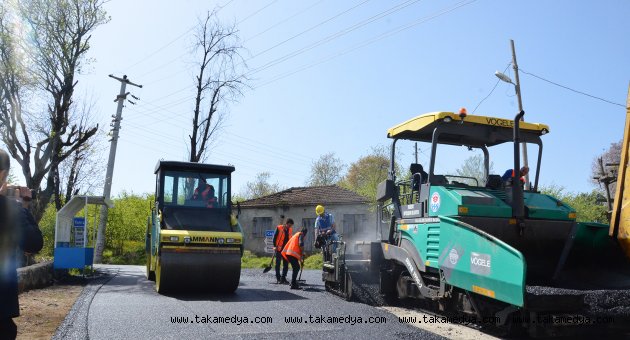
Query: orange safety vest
522	177
280	240
293	247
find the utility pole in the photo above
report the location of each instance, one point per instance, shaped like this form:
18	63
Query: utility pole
520	108
416	152
606	180
100	236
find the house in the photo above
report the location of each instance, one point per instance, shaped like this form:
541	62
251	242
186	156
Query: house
355	218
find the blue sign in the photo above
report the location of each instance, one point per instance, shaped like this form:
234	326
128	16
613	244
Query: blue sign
269	233
79	222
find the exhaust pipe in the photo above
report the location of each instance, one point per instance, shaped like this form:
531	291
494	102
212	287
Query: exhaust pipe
518	203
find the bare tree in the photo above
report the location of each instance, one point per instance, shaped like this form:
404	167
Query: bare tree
218	81
43	46
326	170
77	172
260	186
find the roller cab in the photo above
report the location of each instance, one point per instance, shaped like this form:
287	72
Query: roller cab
194	240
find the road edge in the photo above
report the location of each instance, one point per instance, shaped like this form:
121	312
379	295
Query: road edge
75	324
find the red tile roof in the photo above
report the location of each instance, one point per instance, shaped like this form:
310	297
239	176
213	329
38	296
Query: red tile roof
299	196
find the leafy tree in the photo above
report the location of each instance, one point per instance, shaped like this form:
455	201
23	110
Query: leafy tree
260	186
367	172
326	170
127	220
218	81
43	46
588	206
473	167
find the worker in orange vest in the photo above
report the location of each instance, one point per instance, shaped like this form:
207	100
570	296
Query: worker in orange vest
294	253
280	239
508	176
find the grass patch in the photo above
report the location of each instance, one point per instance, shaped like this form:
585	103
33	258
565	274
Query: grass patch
250	260
314	261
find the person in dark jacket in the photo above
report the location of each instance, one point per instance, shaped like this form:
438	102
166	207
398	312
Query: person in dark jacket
18	233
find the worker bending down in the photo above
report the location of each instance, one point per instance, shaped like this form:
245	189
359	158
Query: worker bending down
294	253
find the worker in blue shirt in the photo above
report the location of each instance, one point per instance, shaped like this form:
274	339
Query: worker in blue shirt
325	227
509	174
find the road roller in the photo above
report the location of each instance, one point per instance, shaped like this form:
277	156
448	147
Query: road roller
498	249
194	241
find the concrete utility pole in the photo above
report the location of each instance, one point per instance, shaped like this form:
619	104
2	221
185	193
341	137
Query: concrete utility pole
520	108
416	152
100	236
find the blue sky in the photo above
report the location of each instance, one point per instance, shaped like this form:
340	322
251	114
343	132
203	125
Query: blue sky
343	94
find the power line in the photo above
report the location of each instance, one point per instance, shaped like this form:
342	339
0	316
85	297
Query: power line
309	29
495	86
371	41
570	89
256	146
174	40
154	136
283	21
336	35
258	11
327	39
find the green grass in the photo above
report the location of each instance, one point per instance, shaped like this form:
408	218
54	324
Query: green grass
314	261
250	260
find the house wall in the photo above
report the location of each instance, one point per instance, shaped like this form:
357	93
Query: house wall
358	221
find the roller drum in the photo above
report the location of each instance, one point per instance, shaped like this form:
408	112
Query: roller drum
179	271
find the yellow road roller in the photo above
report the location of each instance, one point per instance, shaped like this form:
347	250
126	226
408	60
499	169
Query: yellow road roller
193	240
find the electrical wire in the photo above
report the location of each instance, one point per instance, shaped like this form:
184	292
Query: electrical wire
308	29
174	40
258	11
570	89
493	88
283	21
335	35
369	41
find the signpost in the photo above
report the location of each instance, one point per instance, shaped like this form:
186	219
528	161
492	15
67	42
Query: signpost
79	231
269	241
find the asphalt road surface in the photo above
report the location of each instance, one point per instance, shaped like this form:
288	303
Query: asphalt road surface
123	304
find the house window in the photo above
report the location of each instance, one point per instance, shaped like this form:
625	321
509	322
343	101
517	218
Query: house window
352	224
261	224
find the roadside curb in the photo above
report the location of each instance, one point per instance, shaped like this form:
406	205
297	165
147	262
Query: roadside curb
75	325
39	275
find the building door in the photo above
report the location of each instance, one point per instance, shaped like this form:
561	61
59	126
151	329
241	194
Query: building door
309	223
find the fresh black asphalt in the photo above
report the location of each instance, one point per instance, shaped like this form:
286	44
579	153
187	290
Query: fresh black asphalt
120	303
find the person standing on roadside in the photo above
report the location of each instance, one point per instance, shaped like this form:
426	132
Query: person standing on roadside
280	239
18	233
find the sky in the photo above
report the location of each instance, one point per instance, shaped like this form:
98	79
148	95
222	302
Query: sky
340	73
